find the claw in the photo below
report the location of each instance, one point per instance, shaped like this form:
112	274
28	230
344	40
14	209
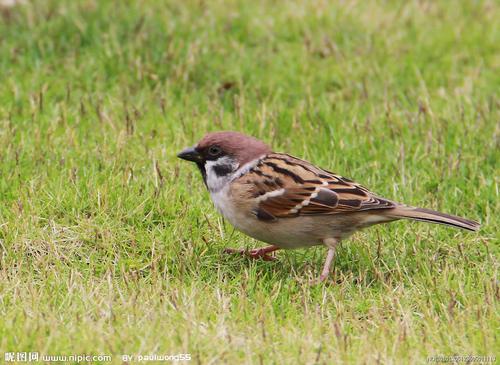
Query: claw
321	279
234	250
258	253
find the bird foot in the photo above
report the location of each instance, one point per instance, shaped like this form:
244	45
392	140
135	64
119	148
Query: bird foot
258	253
321	279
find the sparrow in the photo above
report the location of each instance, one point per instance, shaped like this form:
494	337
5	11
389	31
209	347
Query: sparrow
290	203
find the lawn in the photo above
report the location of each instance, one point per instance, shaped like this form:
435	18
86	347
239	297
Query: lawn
110	245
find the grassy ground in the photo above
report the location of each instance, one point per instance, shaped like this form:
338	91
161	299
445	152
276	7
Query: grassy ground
110	245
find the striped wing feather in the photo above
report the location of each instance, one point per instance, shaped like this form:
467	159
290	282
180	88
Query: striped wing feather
286	186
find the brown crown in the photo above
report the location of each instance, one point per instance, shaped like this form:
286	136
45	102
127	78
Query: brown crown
244	148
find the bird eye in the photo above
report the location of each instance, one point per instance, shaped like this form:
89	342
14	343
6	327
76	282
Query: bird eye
214	150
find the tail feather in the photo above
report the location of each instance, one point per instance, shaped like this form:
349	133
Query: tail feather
431	216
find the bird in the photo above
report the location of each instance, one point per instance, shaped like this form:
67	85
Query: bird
290	203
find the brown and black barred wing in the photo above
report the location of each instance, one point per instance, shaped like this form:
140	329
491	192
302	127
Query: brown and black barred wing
287	187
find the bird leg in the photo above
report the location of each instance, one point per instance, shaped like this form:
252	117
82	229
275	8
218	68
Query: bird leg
332	244
327	265
258	253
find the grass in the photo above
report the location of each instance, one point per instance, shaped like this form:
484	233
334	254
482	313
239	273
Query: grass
110	245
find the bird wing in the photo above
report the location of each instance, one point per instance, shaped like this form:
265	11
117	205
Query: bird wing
285	187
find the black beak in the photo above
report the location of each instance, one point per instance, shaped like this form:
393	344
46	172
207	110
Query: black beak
190	154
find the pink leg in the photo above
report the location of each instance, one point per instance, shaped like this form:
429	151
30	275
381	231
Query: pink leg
331	243
258	253
327	265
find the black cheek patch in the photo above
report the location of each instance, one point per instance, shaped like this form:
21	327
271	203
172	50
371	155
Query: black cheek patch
222	170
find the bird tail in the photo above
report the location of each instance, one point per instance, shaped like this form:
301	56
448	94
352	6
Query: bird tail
431	216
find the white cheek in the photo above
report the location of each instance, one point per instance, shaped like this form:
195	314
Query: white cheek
216	182
219	186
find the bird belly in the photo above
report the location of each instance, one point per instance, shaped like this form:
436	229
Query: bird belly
288	233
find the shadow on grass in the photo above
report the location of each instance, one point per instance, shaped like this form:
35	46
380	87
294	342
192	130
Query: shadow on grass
299	266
